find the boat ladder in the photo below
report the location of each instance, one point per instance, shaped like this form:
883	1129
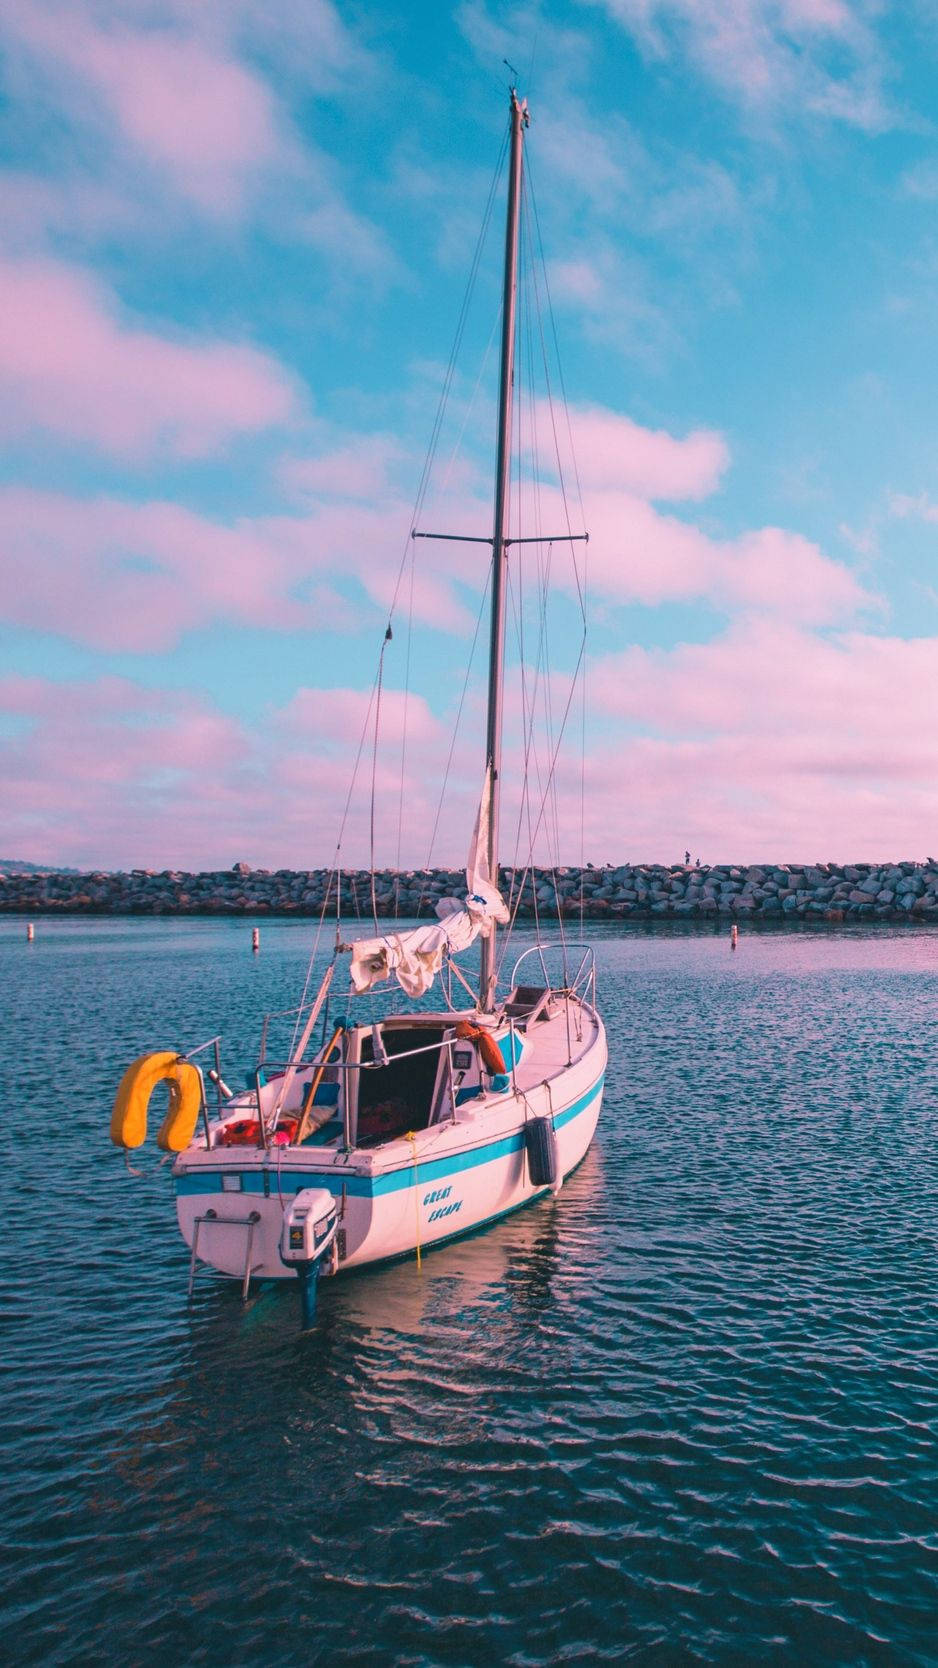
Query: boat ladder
249	1222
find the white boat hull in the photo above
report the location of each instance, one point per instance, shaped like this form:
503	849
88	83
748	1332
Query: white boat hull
412	1192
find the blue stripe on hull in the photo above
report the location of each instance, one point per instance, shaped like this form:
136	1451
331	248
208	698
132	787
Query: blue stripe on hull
467	1232
431	1170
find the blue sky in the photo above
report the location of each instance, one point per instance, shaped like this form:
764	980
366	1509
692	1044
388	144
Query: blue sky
234	243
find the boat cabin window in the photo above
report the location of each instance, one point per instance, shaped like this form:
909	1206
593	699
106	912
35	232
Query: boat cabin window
405	1094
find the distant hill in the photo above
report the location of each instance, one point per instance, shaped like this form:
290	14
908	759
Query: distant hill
15	866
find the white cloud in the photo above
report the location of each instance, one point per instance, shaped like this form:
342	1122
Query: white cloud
778	58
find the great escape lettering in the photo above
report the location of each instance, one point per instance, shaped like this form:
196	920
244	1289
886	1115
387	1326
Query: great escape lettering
438	1194
445	1210
436	1197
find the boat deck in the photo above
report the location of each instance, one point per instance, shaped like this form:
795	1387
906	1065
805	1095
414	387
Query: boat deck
556	1042
558	1036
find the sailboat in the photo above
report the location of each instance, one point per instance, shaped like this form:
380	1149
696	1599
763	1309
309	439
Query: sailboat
380	1139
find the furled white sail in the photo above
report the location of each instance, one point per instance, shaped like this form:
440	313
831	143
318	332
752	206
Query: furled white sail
414	958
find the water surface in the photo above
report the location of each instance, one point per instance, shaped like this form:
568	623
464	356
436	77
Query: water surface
684	1413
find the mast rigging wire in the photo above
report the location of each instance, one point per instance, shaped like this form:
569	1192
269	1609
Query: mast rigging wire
470	407
549	804
335	872
452	745
374	772
547	799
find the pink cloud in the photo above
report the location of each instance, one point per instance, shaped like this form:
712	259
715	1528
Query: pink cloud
135	576
780	572
768	744
359	469
636	554
101	761
318	734
614	452
648	799
780	679
107	773
193	102
595	155
192	110
120	575
337	716
772	742
164	569
206	120
71	365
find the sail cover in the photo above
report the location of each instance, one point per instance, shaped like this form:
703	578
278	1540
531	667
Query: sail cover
414	958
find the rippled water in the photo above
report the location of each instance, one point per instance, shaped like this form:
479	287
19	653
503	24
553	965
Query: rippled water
687	1412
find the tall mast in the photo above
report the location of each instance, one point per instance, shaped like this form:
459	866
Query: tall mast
493	740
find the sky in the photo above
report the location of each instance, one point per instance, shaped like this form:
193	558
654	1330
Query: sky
234	244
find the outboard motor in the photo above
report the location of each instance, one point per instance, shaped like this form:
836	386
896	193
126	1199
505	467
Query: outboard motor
309	1229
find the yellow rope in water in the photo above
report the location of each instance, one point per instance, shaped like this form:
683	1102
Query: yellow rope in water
412	1138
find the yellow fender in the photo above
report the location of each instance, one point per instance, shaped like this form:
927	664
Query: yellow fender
131	1104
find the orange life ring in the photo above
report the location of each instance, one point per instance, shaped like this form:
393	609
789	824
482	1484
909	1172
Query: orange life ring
491	1055
129	1117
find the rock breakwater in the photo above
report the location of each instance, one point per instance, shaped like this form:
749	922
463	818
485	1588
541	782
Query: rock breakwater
830	892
